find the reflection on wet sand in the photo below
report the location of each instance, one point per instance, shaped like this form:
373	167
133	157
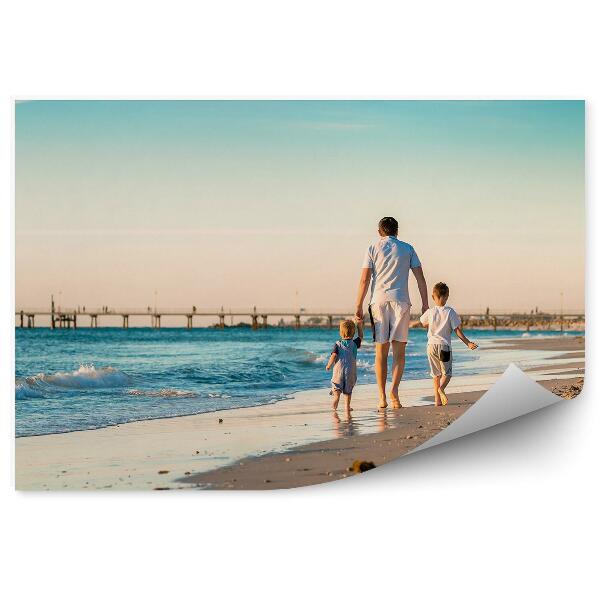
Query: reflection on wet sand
382	420
344	427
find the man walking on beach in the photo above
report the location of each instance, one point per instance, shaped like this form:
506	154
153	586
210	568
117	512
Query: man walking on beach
386	265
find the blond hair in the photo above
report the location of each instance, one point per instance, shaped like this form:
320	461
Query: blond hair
347	328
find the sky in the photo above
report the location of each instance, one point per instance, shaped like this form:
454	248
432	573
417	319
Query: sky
273	203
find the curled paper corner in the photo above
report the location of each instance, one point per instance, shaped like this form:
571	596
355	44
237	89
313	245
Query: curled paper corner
513	395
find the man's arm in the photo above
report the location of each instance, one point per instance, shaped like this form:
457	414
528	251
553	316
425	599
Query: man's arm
418	273
363	286
360	328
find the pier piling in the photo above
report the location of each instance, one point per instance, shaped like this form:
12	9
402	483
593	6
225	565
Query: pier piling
189	321
297	321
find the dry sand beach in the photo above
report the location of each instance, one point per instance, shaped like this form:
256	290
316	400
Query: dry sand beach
292	443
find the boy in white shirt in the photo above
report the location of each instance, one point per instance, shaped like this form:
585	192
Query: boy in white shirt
442	321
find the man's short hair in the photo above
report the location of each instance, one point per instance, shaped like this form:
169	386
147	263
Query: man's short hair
389	226
441	290
347	328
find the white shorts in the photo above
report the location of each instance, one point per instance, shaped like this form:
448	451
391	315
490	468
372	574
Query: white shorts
436	353
390	321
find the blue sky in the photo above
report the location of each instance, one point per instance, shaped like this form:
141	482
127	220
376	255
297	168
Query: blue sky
117	198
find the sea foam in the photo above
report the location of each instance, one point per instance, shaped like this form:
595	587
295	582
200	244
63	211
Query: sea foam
164	393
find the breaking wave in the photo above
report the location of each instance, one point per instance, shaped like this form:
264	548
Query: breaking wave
85	377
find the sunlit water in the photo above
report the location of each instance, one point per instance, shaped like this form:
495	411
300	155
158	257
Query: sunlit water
70	380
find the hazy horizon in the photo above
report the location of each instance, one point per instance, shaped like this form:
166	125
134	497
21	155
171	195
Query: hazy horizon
273	203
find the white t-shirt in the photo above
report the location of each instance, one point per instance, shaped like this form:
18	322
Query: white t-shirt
390	260
442	321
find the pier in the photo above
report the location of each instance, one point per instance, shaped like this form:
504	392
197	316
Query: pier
62	318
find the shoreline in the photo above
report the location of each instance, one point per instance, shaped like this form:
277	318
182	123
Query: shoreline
546	343
322	462
331	460
131	455
233	448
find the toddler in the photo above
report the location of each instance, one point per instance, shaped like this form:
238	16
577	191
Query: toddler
343	361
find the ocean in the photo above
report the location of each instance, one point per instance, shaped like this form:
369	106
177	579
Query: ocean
69	380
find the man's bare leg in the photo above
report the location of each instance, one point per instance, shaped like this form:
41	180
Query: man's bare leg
381	358
399	358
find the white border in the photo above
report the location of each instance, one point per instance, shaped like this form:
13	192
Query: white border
509	512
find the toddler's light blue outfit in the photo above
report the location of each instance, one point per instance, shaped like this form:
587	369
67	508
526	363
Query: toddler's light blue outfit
344	370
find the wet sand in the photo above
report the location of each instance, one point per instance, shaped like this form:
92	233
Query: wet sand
330	460
567	344
322	462
159	453
292	443
401	431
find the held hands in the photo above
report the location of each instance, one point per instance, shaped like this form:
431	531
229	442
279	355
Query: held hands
359	314
472	346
